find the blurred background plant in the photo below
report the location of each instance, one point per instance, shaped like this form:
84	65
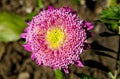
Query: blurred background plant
110	16
11	26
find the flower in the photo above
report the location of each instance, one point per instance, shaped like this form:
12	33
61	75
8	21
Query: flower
56	38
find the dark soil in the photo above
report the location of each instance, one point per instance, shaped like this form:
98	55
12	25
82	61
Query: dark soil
15	62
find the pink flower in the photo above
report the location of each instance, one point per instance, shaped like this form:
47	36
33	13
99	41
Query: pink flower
56	38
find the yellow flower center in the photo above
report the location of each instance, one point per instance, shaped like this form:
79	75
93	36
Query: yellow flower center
55	37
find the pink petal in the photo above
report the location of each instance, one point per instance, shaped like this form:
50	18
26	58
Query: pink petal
26	29
79	63
27	47
89	26
66	70
33	56
23	35
51	8
38	62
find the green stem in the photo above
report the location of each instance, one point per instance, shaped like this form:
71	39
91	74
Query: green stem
118	61
59	74
119	30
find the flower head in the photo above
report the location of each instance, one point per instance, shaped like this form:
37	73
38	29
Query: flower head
56	38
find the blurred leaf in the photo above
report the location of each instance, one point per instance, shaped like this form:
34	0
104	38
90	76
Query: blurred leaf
111	18
76	2
11	26
119	30
59	74
106	34
118	76
96	46
112	2
95	64
40	4
111	75
85	76
114	27
104	54
30	16
111	13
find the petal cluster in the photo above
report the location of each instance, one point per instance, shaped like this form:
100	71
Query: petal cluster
74	42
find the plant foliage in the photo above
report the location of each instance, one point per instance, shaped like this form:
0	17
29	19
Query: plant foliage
111	17
11	26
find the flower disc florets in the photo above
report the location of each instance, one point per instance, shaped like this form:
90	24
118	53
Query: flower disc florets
56	38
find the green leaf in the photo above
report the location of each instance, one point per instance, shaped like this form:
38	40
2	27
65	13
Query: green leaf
76	2
111	13
40	4
113	27
111	18
59	74
119	30
11	26
30	16
111	75
112	2
84	76
118	76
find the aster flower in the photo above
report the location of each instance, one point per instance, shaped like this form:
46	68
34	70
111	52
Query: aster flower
56	38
